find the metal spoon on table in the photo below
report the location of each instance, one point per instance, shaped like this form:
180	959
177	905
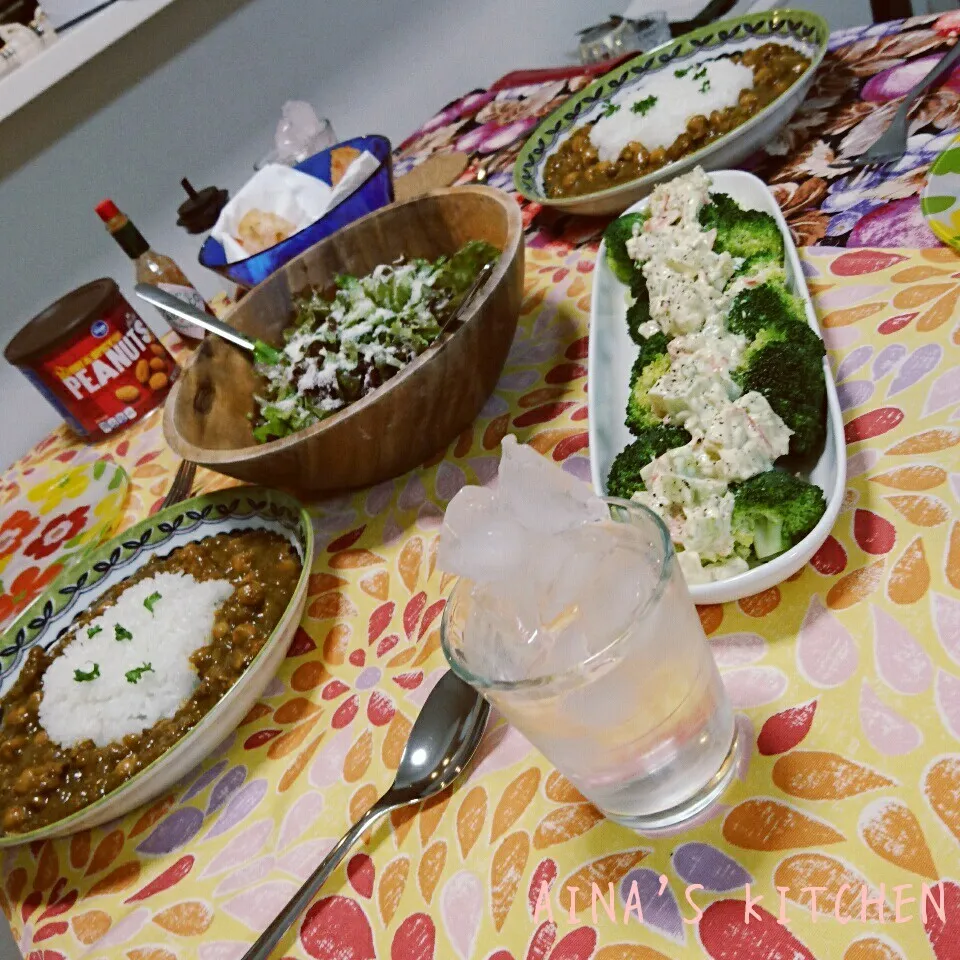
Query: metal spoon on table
442	741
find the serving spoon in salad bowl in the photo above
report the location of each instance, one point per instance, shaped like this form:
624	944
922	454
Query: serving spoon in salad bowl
443	740
263	352
168	303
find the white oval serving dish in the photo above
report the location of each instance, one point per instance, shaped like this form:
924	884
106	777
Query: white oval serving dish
613	353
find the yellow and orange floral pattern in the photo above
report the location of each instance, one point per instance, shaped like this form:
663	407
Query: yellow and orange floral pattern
846	680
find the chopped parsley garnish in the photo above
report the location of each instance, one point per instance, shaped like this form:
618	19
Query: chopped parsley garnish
700	74
122	633
609	109
644	106
151	600
705	86
81	676
680	74
93	631
136	673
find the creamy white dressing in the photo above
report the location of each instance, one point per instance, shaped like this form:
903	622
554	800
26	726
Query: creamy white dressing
685	277
693	391
746	437
734	436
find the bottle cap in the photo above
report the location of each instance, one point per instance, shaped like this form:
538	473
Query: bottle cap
200	211
107	210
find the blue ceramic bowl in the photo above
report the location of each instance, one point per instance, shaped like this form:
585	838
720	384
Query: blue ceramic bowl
375	192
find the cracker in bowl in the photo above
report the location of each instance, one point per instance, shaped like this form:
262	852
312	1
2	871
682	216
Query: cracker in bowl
260	229
341	158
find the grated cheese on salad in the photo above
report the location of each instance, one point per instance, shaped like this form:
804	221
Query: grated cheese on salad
340	349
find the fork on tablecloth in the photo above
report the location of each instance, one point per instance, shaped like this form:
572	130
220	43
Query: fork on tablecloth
892	145
182	484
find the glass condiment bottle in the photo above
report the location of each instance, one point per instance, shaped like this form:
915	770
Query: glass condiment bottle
154	268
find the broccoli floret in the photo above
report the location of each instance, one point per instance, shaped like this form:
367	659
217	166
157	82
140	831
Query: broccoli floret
768	304
651	348
639	312
785	364
784	360
750	234
615	237
652	363
773	511
624	477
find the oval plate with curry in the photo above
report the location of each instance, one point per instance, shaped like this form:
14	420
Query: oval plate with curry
560	165
258	541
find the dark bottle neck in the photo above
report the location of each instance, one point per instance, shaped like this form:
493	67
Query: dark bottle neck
131	240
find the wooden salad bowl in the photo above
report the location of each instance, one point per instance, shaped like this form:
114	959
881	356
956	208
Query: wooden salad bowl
207	418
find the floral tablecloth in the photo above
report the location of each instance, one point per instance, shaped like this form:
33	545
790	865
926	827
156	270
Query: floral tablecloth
56	519
846	680
857	90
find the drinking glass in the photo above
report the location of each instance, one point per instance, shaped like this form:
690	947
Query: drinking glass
642	726
324	138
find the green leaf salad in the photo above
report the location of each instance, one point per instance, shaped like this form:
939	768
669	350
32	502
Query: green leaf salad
340	349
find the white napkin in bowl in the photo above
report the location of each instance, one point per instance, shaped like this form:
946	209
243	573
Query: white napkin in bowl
297	197
355	175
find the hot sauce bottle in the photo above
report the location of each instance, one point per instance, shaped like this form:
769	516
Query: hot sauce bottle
154	268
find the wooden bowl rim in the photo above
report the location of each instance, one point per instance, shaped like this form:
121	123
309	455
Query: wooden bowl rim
204	455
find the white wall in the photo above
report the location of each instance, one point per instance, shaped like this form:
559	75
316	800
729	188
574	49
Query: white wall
196	92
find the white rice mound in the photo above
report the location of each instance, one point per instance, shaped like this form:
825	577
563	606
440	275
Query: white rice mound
110	707
678	99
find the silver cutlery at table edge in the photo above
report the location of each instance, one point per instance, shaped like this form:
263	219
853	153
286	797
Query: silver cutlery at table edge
444	737
892	144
